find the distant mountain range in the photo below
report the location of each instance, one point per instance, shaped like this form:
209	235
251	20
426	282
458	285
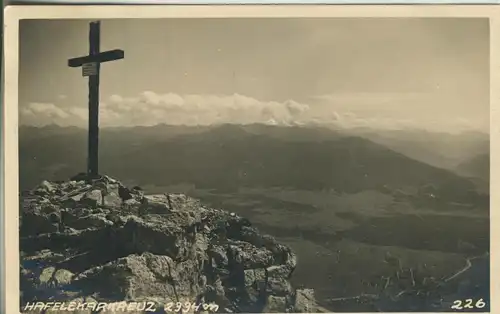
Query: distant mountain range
227	157
478	167
443	150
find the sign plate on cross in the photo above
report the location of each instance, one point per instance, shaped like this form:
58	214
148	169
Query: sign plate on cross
89	69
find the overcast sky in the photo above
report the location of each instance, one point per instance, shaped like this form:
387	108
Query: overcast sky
381	73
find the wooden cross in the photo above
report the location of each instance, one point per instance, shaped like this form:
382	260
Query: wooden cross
91	66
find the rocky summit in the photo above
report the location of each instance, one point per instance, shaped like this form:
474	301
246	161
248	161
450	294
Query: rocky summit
100	241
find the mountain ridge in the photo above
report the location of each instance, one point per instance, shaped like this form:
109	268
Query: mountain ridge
232	156
353	130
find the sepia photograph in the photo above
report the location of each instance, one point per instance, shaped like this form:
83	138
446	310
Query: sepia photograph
253	165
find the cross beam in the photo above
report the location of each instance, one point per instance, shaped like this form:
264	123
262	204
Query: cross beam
91	67
105	56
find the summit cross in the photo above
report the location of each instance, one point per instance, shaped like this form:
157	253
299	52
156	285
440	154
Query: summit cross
91	66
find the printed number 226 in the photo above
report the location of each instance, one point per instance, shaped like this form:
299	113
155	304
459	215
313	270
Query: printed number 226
468	304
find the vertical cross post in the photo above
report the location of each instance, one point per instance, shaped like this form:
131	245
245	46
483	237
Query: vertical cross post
93	140
91	67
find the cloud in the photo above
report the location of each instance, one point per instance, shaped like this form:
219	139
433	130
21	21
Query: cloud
150	108
45	113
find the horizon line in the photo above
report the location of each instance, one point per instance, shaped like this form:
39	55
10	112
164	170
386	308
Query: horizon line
306	125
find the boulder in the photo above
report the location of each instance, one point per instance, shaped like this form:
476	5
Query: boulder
62	277
93	198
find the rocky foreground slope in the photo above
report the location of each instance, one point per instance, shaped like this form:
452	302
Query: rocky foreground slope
101	241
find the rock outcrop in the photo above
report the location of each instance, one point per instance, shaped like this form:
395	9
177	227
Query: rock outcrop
99	240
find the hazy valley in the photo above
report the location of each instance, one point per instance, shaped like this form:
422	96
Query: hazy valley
357	208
